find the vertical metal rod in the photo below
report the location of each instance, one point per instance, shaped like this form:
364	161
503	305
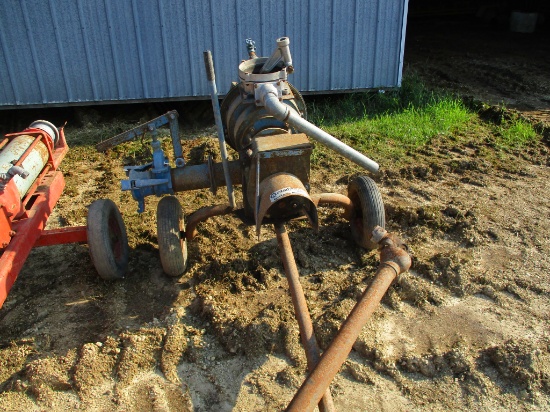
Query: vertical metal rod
209	64
313	353
257	198
175	135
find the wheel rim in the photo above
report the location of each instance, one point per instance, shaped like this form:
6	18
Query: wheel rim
115	238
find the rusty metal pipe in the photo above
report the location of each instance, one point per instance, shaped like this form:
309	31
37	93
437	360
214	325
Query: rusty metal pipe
198	176
309	342
335	199
393	261
201	215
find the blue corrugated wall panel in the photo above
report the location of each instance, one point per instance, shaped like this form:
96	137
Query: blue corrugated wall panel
102	51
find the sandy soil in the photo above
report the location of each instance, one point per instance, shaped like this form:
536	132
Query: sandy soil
465	329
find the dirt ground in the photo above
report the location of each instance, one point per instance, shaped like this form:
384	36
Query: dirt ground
465	329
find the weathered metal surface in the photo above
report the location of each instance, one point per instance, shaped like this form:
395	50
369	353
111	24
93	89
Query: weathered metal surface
201	176
276	154
393	261
244	120
267	96
61	236
307	335
282	196
275	146
335	199
211	75
23	161
201	215
134	50
150	127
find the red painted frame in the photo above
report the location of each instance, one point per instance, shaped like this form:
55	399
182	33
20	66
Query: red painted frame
39	203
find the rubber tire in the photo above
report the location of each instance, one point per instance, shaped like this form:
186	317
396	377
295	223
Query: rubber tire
368	210
107	239
172	245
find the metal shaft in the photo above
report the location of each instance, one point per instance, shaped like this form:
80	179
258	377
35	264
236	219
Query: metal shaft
193	177
209	64
309	341
394	261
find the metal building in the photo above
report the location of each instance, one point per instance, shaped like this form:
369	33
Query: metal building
63	52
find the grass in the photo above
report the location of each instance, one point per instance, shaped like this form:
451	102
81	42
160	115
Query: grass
392	123
516	134
395	124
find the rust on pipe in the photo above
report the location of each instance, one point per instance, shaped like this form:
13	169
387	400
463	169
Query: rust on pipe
309	342
194	177
394	260
335	199
201	215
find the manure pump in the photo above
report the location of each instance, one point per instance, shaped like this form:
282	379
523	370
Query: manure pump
263	119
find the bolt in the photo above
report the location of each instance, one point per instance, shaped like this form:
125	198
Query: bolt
256	86
12	233
5	244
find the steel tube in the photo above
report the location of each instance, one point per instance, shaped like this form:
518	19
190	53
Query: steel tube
175	135
323	137
309	342
211	75
198	176
394	260
335	199
282	112
201	215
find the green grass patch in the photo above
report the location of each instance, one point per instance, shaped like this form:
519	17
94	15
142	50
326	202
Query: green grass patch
516	134
392	123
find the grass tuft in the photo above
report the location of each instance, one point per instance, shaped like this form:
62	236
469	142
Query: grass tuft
516	134
394	122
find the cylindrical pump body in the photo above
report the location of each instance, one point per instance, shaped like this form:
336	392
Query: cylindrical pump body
14	186
243	119
33	163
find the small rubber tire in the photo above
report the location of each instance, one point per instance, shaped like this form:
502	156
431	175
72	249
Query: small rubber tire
171	236
368	210
107	239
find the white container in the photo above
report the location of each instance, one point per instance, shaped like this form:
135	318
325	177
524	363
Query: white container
523	22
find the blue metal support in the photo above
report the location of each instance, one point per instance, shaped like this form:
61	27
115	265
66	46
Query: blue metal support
152	178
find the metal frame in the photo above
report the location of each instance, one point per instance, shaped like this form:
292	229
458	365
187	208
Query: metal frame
28	231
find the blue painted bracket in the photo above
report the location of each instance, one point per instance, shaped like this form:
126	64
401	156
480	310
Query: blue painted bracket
152	178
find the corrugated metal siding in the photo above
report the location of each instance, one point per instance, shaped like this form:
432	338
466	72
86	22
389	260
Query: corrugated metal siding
82	51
